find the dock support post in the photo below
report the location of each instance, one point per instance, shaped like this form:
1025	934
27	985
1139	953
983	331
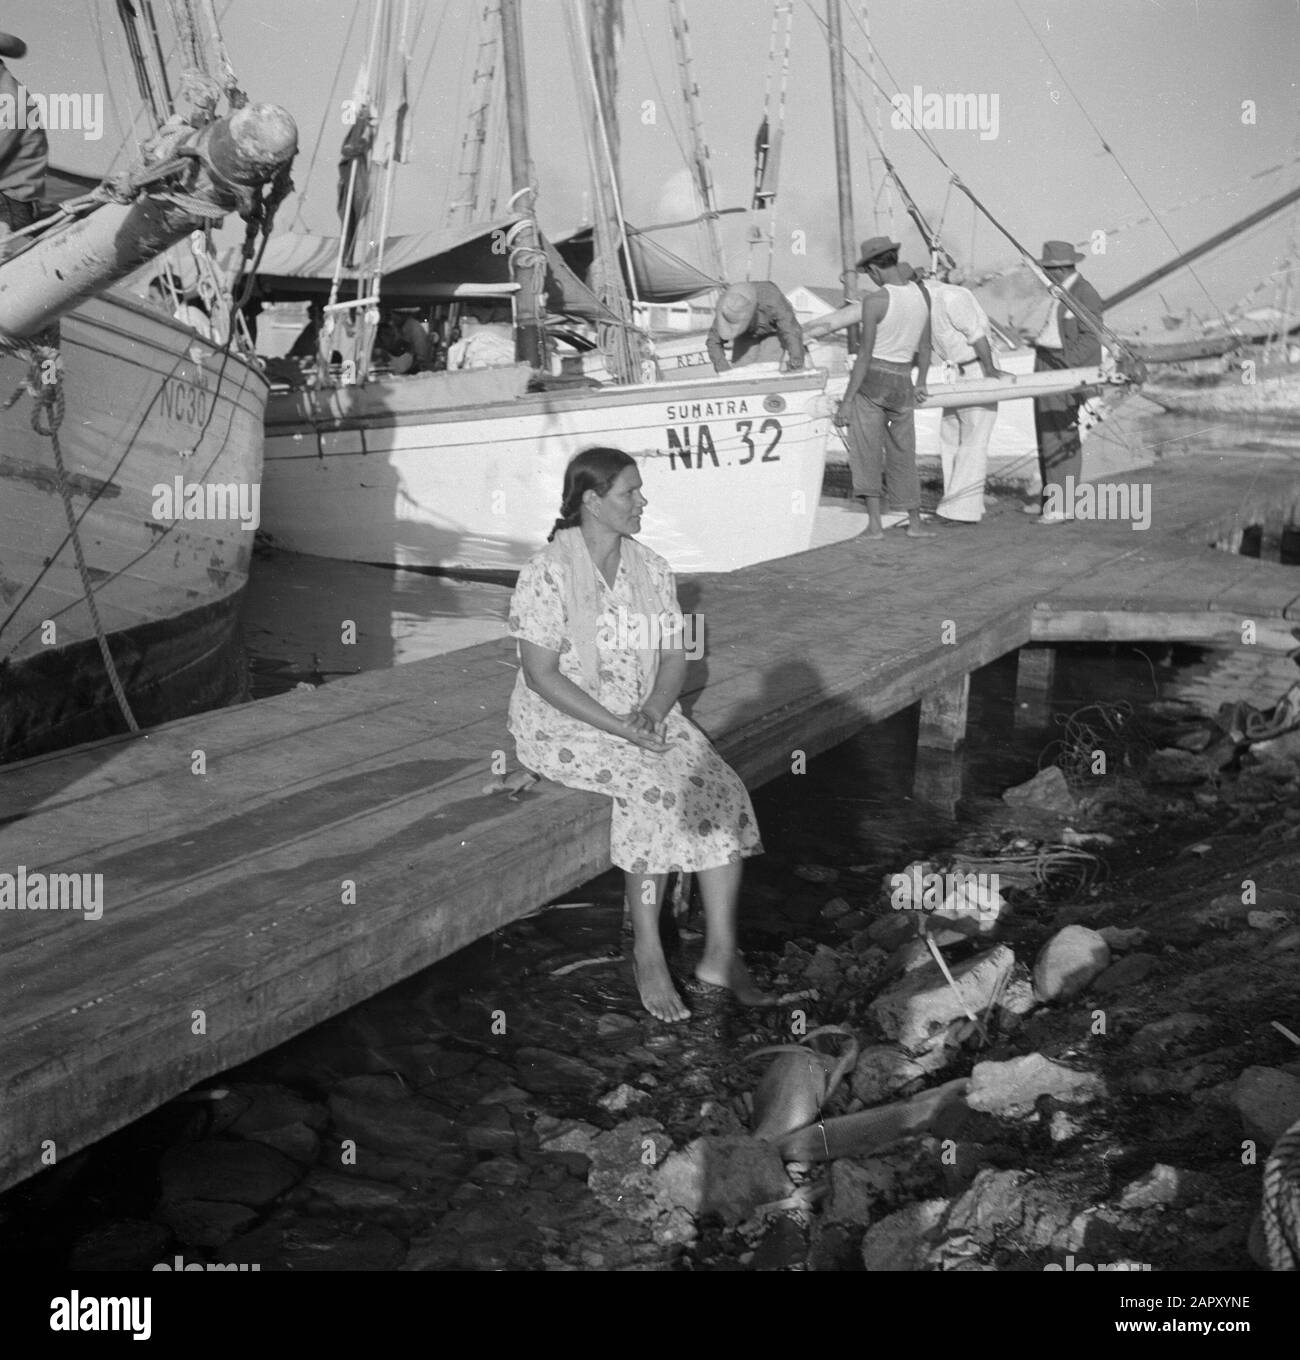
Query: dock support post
937	779
943	715
1035	671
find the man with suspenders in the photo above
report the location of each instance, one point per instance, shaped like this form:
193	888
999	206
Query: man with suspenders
880	401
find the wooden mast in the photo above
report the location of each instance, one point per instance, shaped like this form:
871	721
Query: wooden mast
699	147
1204	248
529	261
843	181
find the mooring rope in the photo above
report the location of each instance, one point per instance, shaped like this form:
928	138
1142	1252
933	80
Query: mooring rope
47	417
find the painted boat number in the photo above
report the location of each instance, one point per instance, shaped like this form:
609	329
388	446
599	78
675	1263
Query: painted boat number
751	434
183	400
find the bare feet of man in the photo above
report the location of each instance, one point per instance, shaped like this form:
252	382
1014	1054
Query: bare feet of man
655	984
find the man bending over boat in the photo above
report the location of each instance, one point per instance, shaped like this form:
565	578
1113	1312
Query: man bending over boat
594	707
880	401
760	325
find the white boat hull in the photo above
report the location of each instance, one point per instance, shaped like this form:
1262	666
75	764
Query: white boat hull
1273	395
731	466
146	401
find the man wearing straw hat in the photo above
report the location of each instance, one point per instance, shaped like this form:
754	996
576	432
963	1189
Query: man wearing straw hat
1063	342
759	323
23	148
879	402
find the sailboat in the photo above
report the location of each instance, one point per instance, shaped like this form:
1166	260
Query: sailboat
462	470
115	608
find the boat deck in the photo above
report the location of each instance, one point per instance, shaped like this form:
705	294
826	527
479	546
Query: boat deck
229	923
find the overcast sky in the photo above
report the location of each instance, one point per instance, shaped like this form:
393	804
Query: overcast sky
1163	80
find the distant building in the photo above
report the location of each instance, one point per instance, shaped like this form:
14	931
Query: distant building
810	302
694	314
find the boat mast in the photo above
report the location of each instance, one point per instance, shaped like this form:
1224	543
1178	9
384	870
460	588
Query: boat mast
474	142
843	181
527	258
699	147
1204	248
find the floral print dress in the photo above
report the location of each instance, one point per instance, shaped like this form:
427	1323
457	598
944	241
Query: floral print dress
682	810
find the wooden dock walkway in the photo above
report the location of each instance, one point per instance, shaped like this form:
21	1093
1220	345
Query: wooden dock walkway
227	922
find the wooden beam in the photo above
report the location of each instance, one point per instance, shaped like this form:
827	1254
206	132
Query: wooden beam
1217	628
943	714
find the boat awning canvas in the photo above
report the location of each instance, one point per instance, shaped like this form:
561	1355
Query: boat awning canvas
450	262
661	276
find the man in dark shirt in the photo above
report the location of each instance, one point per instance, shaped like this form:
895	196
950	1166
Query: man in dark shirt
23	149
759	321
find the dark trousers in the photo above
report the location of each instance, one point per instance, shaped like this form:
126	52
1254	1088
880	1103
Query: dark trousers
16	212
881	437
1056	423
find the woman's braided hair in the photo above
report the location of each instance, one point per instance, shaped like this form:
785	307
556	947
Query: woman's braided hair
595	469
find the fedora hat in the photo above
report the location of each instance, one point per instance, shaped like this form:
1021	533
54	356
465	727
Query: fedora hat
1058	254
11	46
873	247
736	308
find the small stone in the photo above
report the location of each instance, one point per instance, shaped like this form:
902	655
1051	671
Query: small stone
816	873
298	1142
1201	848
1011	1089
352	1193
1068	962
1172	766
1268	920
613	1023
1047	791
1287	940
397	1127
500	1171
1121	941
565	1135
274	1107
1168	1034
835	908
1268	1101
1161	1185
621	1098
903	1239
1131	969
1063	1126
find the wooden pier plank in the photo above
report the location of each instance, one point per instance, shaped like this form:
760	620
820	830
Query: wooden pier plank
224	891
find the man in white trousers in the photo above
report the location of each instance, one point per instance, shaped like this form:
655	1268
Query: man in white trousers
960	331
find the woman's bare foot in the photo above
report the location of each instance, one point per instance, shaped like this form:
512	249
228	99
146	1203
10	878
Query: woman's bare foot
736	977
655	984
873	533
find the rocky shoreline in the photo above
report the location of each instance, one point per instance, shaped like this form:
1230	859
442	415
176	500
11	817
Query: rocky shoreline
1096	1082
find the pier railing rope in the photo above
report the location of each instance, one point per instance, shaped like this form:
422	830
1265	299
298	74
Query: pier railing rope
47	417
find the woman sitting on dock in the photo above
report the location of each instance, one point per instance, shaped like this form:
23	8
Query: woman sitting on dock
595	707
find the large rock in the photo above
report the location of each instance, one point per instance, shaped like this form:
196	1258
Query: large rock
546	1072
623	1162
1068	962
729	1177
917	1010
272	1107
1268	1101
235	1173
903	1240
882	1071
1046	792
1013	1088
1172	766
404	1128
205	1223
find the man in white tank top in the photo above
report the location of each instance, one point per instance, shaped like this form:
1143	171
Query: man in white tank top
880	400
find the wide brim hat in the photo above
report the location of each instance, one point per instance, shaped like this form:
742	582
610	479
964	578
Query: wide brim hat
1058	254
873	247
11	46
736	308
